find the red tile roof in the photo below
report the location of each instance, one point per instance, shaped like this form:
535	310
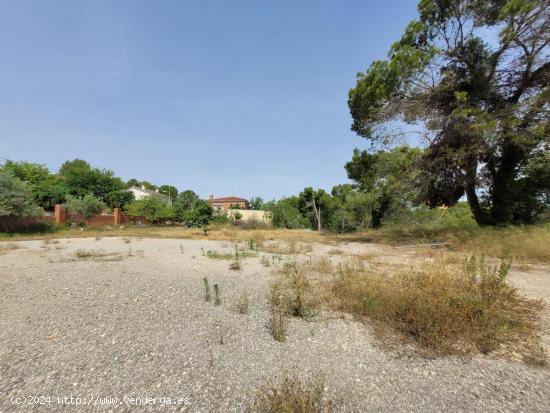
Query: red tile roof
229	199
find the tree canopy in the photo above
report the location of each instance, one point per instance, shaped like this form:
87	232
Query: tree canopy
15	197
482	106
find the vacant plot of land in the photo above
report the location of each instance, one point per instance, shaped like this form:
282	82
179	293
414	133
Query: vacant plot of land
111	319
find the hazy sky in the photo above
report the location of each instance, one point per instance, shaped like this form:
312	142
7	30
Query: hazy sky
224	97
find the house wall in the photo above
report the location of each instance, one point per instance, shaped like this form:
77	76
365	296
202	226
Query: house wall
252	215
225	206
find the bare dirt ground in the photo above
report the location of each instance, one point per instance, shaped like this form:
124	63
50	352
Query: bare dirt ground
133	323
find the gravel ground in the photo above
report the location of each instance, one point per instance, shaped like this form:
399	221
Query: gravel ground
136	325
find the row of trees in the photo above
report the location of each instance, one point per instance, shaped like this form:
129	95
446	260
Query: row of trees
385	184
187	208
77	178
30	188
481	106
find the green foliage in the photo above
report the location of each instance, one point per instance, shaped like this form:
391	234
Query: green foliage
119	199
386	178
153	209
81	179
483	106
192	211
286	214
47	189
169	190
256	203
16	199
86	206
206	289
49	192
434	220
220	219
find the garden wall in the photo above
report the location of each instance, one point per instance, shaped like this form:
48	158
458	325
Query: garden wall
61	217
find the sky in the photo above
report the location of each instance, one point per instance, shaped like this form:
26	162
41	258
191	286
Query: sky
238	97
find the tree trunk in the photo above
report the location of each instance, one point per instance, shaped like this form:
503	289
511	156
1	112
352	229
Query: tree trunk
503	196
317	214
470	186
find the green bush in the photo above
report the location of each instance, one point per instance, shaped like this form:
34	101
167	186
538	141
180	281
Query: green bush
15	197
152	209
86	207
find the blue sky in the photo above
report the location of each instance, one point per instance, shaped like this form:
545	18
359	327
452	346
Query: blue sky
224	97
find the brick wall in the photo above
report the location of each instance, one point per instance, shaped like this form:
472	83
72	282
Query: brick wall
61	217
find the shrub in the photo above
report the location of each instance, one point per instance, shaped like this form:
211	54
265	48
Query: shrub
291	395
293	295
119	199
206	289
152	208
86	207
242	303
220	219
15	197
445	309
278	321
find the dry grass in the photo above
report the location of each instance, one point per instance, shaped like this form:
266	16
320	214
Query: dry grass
98	255
229	256
278	322
265	261
241	305
321	265
291	395
519	243
235	265
445	308
289	247
294	294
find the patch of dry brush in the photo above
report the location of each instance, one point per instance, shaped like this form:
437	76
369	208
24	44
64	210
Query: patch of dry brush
291	395
446	309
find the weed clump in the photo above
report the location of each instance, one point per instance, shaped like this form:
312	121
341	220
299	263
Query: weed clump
278	322
291	395
242	303
445	309
206	289
217	300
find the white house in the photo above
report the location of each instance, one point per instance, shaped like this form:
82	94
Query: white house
142	192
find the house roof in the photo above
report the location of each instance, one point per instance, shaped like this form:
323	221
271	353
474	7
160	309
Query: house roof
149	192
229	199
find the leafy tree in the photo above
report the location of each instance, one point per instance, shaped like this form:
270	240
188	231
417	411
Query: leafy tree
387	178
49	192
147	185
15	197
81	179
353	209
119	199
169	190
187	199
132	182
199	214
152	208
286	214
256	203
483	107
86	206
47	189
26	171
316	206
